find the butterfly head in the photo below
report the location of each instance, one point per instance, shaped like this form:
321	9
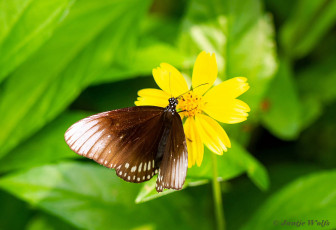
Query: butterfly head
172	105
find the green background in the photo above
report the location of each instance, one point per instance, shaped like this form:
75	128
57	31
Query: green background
62	60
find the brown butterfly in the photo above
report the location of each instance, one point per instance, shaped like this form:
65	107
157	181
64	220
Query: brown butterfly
138	142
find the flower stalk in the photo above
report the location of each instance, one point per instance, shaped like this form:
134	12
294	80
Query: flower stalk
217	196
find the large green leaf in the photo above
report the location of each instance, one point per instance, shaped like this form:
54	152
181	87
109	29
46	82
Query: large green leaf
242	192
282	108
94	35
73	192
308	198
147	57
25	26
46	146
93	197
309	22
239	34
157	36
231	164
148	191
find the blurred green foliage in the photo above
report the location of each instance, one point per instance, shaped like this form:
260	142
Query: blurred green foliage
62	60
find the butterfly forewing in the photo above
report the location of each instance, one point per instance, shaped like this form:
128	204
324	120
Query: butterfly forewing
124	139
174	165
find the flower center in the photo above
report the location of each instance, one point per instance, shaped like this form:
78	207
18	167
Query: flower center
191	104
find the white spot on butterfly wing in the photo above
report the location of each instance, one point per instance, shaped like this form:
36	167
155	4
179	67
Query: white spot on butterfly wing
127	165
133	169
139	170
149	165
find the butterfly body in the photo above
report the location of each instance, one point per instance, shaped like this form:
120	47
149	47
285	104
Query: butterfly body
138	142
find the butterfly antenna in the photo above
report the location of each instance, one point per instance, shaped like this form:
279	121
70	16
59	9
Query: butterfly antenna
192	89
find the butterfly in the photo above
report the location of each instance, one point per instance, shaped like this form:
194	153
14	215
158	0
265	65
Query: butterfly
138	142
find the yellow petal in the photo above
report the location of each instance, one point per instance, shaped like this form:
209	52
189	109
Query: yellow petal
154	97
231	88
212	134
194	143
170	80
205	72
227	111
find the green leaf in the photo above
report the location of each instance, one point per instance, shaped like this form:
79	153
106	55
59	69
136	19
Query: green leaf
74	191
308	198
157	37
242	192
92	197
309	22
148	191
281	107
93	36
239	34
231	164
147	57
25	26
46	146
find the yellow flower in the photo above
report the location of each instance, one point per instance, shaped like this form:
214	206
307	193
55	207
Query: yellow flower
201	106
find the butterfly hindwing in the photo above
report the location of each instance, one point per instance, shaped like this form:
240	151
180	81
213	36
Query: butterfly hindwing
124	139
174	165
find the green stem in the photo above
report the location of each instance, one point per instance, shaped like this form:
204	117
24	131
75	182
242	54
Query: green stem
217	195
